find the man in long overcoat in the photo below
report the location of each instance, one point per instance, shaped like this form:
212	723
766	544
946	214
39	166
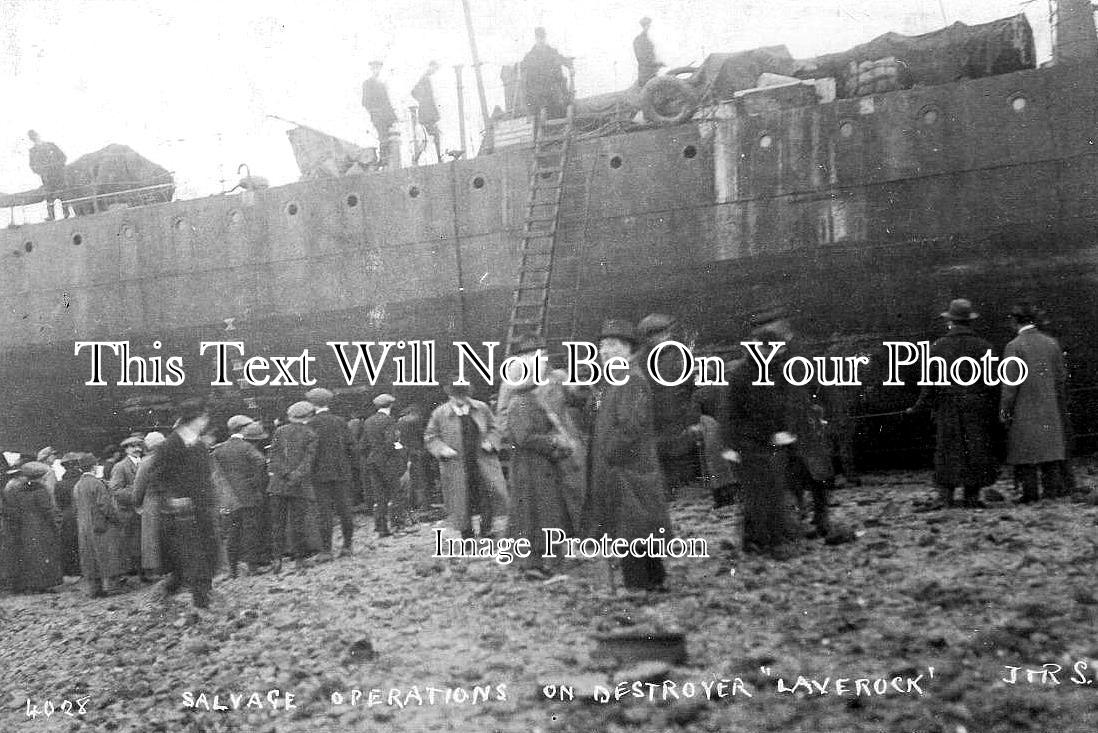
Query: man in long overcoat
62	494
245	470
29	522
963	454
121	483
541	75
183	470
675	414
766	425
375	98
97	529
648	63
627	492
461	434
333	472
293	453
536	479
383	459
149	499
1034	410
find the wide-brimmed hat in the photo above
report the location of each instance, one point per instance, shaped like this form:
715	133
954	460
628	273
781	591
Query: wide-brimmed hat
300	410
320	397
655	323
34	469
384	400
238	421
960	310
133	440
45	453
617	328
253	431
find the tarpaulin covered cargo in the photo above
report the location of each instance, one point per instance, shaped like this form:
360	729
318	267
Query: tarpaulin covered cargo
115	175
951	54
320	155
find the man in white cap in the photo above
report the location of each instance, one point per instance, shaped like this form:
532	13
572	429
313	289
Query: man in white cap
333	472
293	451
381	448
121	483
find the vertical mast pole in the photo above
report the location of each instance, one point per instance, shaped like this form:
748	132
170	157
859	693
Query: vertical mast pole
461	106
476	64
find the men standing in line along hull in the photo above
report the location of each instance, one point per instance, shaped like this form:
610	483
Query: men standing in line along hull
964	415
1033	410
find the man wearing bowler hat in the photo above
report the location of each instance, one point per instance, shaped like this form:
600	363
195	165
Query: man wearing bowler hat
380	445
333	473
1033	411
964	415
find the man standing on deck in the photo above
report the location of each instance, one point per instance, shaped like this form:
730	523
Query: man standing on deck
648	65
48	162
424	94
375	98
542	77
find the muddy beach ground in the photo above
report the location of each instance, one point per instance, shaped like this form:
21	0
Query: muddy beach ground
965	592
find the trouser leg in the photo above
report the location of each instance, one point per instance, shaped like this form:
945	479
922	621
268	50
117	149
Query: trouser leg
324	513
820	493
945	494
341	502
382	490
1052	479
644	573
1026	475
278	526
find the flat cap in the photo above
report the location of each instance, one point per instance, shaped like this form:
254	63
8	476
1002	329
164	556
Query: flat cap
34	469
617	328
653	323
133	440
300	410
154	439
46	453
384	400
238	421
320	397
254	431
70	457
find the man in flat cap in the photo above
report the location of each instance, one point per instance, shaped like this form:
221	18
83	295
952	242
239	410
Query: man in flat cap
333	472
1033	411
380	445
97	529
245	470
675	413
375	98
964	415
648	64
121	483
293	453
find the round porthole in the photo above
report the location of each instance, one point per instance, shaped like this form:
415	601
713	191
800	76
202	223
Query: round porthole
765	141
128	232
930	115
28	247
1018	104
413	191
77	240
615	162
478	182
291	209
689	152
352	201
180	224
235	216
846	129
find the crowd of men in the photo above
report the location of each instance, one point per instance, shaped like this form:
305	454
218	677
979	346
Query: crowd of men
588	461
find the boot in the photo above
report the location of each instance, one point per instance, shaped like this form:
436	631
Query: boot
972	499
276	566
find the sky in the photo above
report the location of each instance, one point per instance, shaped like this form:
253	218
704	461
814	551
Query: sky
191	85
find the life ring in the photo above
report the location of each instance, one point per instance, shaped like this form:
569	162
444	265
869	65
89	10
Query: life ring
667	100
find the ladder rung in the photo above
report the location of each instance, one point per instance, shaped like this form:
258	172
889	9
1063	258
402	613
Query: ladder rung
552	169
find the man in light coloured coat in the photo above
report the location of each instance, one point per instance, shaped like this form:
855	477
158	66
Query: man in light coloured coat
1033	410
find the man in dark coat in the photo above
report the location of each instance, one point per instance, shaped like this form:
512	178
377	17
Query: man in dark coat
31	531
383	460
189	539
1033	411
375	98
410	428
48	162
293	454
62	494
542	78
627	492
121	483
245	470
333	472
965	415
424	94
768	425
648	65
675	413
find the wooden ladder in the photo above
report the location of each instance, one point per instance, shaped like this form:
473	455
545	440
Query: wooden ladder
530	302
